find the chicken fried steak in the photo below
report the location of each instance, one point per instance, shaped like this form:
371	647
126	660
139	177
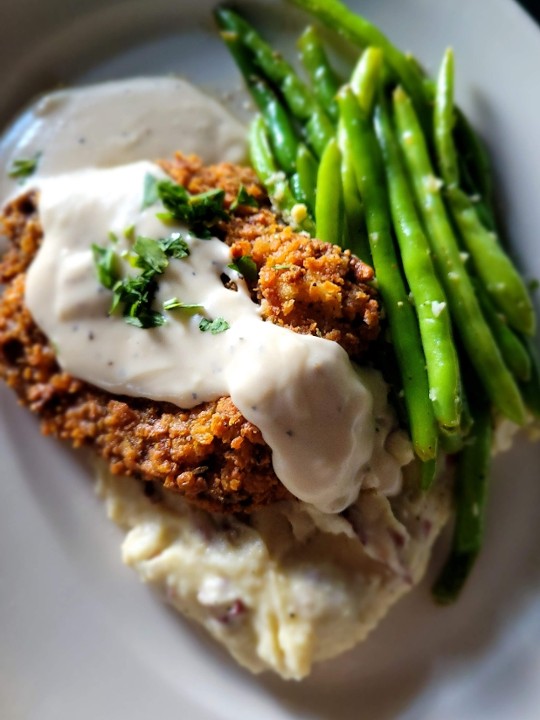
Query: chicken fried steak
210	454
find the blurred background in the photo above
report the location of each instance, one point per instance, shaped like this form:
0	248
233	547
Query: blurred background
533	7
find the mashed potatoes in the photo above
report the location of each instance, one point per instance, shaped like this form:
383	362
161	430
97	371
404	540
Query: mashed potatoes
287	586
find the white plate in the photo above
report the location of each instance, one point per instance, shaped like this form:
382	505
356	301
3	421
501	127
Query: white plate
79	636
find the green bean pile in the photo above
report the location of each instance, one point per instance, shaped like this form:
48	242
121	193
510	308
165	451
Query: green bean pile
387	166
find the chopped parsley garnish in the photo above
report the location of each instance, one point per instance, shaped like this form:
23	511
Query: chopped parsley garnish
176	304
174	246
150	193
208	206
245	265
135	295
243	198
146	320
216	326
24	167
149	256
175	198
200	212
280	267
106	262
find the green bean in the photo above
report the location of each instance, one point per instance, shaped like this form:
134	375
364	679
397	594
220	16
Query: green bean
329	200
420	88
421	72
269	62
282	133
470	163
401	316
531	388
472	157
364	84
470	493
294	184
364	80
444	121
467	420
451	442
306	169
429	298
336	16
357	240
476	161
428	473
492	265
512	349
467	183
318	132
465	310
324	81
297	96
265	166
494	268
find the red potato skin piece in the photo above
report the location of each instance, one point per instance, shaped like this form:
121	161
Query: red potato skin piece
210	454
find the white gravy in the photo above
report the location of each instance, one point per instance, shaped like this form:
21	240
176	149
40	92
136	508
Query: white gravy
315	410
119	122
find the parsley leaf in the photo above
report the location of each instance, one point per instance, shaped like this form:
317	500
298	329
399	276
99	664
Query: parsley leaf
136	295
174	246
24	167
150	256
150	191
106	262
208	206
245	265
176	304
243	198
175	198
146	319
201	212
216	326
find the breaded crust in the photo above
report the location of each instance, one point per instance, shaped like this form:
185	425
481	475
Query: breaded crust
210	453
